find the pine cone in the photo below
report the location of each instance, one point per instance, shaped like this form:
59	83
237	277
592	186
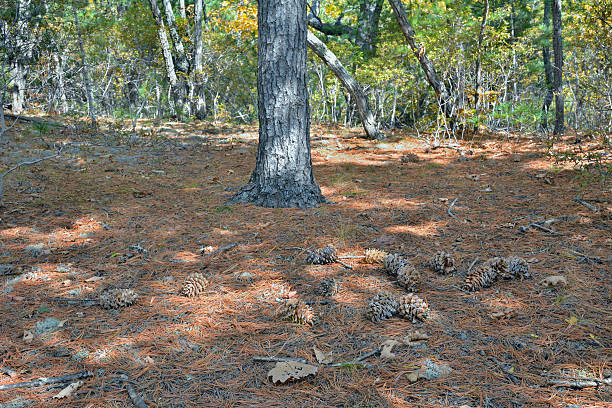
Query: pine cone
329	287
374	256
443	263
518	268
407	276
382	306
194	285
297	311
322	256
413	308
117	298
482	277
500	265
393	263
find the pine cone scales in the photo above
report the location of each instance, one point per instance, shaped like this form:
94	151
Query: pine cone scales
500	265
374	256
297	311
329	287
482	277
322	256
413	308
117	298
382	306
194	285
407	276
443	263
393	263
518	268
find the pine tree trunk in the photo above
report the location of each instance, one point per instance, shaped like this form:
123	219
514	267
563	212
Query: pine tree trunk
363	106
548	71
478	92
283	175
431	75
558	68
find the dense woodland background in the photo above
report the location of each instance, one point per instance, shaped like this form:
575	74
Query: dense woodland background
493	56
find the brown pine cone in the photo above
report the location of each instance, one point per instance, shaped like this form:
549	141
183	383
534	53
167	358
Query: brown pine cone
374	256
413	308
443	263
117	298
518	268
297	311
194	285
482	277
408	276
382	306
322	256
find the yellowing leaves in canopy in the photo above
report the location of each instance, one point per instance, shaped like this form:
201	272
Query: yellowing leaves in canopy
239	19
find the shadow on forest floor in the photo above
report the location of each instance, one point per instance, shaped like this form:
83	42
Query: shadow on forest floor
137	217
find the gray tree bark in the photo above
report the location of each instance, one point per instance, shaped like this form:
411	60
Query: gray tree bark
558	68
90	99
356	91
22	53
548	71
283	175
200	102
59	74
483	25
431	75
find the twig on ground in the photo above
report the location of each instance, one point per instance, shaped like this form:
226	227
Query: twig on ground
550	221
587	205
347	266
543	228
47	380
577	383
357	360
220	250
136	399
472	264
279	359
450	207
26	163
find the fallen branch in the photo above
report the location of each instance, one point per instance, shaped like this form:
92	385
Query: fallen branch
576	383
587	205
47	380
450	207
34	120
27	163
220	250
447	146
472	264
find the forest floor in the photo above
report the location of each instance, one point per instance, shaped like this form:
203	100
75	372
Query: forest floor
143	212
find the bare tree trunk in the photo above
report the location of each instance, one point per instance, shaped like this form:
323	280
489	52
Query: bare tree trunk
283	175
200	107
182	9
356	91
431	75
182	63
558	68
548	71
483	25
90	100
59	73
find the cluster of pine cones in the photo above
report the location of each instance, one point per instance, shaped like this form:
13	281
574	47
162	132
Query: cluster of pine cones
385	305
484	276
117	298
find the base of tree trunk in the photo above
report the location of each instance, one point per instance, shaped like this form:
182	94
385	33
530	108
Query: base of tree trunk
303	197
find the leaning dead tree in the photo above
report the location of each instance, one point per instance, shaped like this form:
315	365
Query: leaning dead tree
443	94
356	91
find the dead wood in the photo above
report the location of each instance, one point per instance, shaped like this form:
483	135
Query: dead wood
47	380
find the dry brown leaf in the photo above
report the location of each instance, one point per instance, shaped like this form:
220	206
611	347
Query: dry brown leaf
415	337
94	279
27	337
148	360
503	314
62	323
323	357
290	371
533	260
416	375
66	392
387	346
556	280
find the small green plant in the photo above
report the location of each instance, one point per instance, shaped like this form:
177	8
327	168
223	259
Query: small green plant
220	209
43	309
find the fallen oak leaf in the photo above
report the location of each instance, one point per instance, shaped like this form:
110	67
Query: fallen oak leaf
27	337
386	348
555	280
503	314
415	338
66	392
285	371
323	357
